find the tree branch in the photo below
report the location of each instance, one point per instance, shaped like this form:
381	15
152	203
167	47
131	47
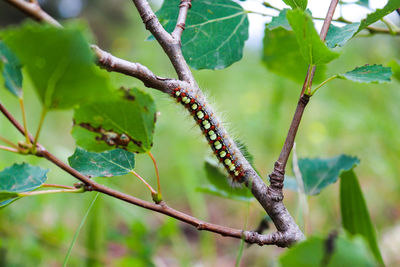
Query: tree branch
149	79
33	10
278	174
181	21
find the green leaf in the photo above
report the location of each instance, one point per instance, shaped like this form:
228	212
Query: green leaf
368	74
280	21
338	36
355	215
215	32
281	56
11	70
391	6
395	66
319	173
220	185
60	64
314	51
302	4
19	178
106	164
126	121
333	251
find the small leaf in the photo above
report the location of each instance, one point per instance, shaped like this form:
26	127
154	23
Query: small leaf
280	21
355	215
59	63
11	70
106	164
281	56
19	178
368	74
391	6
126	121
395	66
319	173
338	36
314	51
331	251
215	32
220	185
302	4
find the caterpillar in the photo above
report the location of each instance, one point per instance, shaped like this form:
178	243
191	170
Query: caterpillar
216	138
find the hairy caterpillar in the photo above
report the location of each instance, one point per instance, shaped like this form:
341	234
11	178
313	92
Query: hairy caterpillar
216	138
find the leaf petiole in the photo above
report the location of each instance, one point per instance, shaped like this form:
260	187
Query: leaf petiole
323	83
154	194
42	117
9	149
56	191
22	106
157	174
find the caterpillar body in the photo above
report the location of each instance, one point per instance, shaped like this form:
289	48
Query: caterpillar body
217	138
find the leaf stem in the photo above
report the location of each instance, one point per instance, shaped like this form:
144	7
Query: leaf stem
8	142
56	191
153	192
57	186
323	83
22	106
157	173
42	117
9	149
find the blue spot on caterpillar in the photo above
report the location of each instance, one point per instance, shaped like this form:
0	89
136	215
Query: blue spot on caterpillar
220	147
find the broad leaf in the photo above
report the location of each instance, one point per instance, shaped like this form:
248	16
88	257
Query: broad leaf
19	178
220	185
60	64
124	121
302	4
355	215
281	56
319	173
215	31
11	70
391	6
368	74
105	164
330	251
314	51
279	21
395	66
338	36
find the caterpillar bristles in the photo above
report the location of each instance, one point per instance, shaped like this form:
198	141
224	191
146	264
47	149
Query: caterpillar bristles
216	136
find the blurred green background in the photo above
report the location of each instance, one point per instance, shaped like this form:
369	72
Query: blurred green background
257	106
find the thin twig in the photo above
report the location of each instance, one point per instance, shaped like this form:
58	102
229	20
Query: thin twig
9	149
278	174
184	7
33	10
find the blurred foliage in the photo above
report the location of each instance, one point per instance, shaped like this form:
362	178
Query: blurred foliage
343	117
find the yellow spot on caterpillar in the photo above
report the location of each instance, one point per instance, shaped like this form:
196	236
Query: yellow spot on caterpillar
213	137
218	145
207	126
200	114
184	99
211	132
222	154
236	173
227	162
177	93
194	106
231	167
